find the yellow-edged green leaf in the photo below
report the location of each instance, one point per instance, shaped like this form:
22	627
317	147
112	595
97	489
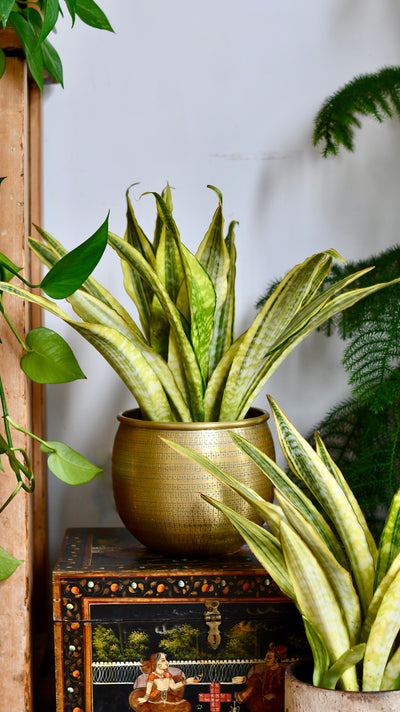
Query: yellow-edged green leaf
323	453
90	308
306	464
391	676
314	305
125	358
213	254
216	384
271	321
338	577
94	311
189	361
202	308
378	596
350	658
172	271
382	635
319	651
265	547
306	320
316	599
293	493
138	290
131	366
389	545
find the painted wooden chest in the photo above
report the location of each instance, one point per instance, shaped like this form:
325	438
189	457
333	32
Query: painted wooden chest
138	631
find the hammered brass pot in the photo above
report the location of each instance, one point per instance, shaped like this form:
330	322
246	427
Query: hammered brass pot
156	489
302	696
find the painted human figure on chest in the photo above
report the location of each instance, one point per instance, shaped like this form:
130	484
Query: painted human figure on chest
264	690
164	688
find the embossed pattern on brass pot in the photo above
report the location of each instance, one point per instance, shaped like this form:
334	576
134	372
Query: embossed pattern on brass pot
301	696
156	490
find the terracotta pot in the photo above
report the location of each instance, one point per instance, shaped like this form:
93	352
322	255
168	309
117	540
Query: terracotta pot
156	490
302	696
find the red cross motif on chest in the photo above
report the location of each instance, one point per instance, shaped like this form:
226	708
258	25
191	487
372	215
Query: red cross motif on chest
215	697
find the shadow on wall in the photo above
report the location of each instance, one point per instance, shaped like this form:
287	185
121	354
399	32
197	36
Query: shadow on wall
348	197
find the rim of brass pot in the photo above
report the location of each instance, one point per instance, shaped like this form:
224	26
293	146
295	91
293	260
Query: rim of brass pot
156	490
133	417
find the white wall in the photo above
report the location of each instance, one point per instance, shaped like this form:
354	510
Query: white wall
224	93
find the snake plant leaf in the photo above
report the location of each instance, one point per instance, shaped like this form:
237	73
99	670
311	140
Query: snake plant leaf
319	651
216	384
172	273
126	358
307	319
311	309
224	318
339	577
382	636
170	260
68	465
202	300
316	599
135	286
214	256
318	281
130	364
265	547
306	464
350	658
49	359
94	311
389	545
269	324
391	676
52	252
8	564
189	361
324	455
378	596
167	197
70	272
293	493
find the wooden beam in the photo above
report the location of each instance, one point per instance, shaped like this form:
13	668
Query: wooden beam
15	534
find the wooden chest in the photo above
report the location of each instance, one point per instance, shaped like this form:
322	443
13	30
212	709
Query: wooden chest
224	630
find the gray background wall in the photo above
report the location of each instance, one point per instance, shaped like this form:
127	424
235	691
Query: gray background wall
224	93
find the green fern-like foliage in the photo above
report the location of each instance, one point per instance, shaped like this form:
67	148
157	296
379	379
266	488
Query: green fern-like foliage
376	95
372	359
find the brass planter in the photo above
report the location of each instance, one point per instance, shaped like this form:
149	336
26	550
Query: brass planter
301	696
156	490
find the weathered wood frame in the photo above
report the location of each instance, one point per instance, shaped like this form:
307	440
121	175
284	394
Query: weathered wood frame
23	529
